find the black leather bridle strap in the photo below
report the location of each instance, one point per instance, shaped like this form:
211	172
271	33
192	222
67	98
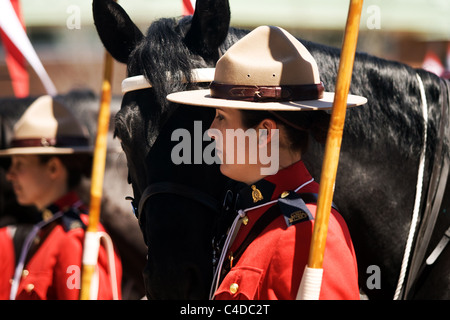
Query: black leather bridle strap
167	187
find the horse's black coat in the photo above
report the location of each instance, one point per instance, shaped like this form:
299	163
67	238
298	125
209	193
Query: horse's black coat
177	230
377	175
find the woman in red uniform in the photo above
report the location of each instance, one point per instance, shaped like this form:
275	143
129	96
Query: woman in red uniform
268	98
50	153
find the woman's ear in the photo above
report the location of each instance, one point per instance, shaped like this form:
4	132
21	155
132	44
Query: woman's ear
265	131
55	167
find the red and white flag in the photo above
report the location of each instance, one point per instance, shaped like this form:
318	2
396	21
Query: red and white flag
13	29
188	7
432	63
15	61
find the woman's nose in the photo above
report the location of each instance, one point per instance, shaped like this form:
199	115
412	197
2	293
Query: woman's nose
211	132
11	173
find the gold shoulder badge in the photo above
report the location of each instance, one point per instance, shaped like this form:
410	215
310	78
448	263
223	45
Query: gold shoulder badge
297	216
256	194
294	209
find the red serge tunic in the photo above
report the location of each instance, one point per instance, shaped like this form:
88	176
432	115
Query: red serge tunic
53	270
6	263
272	265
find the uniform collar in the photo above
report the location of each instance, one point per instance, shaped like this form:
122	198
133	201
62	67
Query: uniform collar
271	187
62	204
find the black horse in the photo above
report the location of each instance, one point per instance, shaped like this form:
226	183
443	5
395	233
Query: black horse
115	215
377	176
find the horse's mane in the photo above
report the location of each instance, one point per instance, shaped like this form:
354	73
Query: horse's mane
163	53
394	104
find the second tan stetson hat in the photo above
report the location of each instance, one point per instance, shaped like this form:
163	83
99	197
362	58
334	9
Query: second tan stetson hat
268	69
48	127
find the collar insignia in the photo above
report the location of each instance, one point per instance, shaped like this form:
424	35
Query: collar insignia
46	214
256	194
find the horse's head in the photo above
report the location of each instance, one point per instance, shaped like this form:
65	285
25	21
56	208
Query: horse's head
175	218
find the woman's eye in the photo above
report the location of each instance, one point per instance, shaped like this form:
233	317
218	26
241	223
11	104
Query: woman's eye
219	117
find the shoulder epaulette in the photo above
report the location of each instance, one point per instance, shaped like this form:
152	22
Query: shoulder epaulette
294	208
72	220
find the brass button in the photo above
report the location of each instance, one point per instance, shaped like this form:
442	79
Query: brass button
29	287
245	220
234	288
47	214
37	240
25	273
284	194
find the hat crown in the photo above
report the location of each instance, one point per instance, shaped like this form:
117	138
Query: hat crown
268	69
48	127
47	118
267	56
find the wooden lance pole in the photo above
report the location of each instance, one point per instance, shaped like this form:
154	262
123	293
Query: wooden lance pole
92	240
312	278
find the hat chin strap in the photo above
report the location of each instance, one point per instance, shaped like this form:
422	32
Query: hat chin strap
140	82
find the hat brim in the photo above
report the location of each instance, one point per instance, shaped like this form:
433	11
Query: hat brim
202	98
44	150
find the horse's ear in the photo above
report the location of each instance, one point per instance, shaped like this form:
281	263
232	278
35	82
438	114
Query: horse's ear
116	30
209	27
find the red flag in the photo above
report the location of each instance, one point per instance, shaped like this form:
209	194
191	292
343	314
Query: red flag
188	7
432	63
15	60
446	74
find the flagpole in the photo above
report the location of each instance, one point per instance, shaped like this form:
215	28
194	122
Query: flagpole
312	278
92	238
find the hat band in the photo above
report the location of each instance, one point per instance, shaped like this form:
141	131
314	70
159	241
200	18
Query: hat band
50	142
267	93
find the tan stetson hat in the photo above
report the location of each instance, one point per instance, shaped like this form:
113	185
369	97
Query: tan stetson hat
47	127
268	69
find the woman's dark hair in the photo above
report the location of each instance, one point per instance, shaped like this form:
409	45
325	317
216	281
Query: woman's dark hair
298	125
77	166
